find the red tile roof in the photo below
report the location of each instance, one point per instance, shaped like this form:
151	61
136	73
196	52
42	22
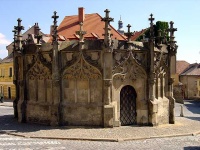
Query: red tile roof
137	34
181	65
60	38
92	25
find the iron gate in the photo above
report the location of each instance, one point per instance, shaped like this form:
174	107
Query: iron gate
128	105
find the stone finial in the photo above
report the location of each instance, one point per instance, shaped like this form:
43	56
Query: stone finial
55	32
129	33
171	31
151	19
107	34
14	38
172	46
38	36
19	28
107	19
81	33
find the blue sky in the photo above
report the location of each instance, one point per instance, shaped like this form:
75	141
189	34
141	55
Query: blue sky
184	13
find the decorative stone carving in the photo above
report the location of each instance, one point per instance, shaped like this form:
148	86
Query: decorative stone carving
39	71
108	83
140	58
129	69
165	62
82	70
120	58
157	59
69	56
117	56
45	59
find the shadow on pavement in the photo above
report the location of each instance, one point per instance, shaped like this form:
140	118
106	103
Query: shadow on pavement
193	106
192	148
194	118
9	123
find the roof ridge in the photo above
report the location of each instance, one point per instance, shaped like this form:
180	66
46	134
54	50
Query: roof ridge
182	61
77	15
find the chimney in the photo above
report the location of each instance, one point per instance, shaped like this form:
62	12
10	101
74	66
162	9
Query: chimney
81	14
35	29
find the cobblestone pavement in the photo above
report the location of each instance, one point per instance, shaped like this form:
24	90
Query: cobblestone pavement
8	142
188	125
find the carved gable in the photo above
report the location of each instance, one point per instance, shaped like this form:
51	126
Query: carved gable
129	69
82	70
39	71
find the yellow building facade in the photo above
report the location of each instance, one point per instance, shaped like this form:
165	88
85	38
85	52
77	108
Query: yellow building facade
6	78
198	87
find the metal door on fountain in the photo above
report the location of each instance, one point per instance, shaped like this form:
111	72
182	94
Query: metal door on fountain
128	105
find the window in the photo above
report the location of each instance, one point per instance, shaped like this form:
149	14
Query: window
9	92
10	72
2	72
1	89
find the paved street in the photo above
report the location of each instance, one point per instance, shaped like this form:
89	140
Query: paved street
152	134
8	142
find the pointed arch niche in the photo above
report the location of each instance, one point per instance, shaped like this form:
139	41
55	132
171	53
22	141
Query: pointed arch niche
39	84
82	82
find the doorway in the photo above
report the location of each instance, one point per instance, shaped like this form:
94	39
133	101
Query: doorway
128	115
9	93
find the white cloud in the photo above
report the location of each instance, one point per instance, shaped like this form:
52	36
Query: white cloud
3	40
3	53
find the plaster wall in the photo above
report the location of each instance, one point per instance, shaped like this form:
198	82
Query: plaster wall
190	83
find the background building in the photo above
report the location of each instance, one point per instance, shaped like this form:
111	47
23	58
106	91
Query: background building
178	87
190	80
6	78
186	81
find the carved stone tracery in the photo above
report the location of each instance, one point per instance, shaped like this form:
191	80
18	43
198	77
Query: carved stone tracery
39	71
45	59
129	69
82	69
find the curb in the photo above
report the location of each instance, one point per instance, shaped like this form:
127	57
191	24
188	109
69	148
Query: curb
102	139
196	133
6	105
